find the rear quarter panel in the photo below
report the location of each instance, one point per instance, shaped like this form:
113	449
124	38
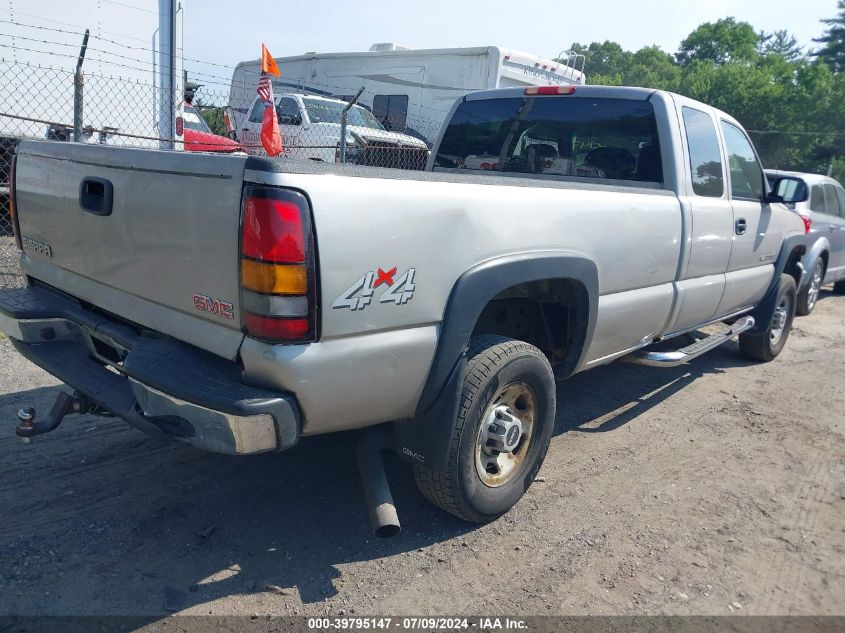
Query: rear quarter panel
441	229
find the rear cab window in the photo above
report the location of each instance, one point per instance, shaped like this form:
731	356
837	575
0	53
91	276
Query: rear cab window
555	137
705	156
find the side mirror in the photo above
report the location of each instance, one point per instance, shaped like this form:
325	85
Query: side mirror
773	198
791	189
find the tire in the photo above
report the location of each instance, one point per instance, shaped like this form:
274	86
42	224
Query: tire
766	346
504	377
839	287
808	297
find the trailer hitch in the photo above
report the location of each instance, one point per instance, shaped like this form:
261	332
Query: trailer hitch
66	403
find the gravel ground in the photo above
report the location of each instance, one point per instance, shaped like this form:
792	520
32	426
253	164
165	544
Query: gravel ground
9	269
714	488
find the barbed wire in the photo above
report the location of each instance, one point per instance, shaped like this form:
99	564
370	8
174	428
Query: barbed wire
145	49
136	8
65	23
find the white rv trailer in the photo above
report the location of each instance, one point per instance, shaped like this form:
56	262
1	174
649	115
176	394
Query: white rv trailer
408	90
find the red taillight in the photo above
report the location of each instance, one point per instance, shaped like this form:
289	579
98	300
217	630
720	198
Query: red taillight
278	271
273	231
550	90
180	126
227	121
16	226
808	223
276	329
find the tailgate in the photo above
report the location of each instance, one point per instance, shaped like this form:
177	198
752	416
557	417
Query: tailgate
164	253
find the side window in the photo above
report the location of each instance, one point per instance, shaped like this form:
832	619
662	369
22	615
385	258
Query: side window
288	112
391	111
840	193
746	173
817	199
830	200
704	155
257	111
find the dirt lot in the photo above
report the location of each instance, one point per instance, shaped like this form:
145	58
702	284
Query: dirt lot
708	489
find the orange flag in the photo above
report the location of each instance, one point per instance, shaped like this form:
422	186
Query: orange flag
271	138
268	64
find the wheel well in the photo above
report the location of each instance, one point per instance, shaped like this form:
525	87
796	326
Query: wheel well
824	257
792	267
551	314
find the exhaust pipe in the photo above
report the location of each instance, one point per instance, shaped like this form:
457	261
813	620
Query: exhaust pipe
383	517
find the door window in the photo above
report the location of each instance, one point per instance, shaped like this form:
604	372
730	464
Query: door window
840	193
257	111
817	199
391	111
705	157
746	173
830	200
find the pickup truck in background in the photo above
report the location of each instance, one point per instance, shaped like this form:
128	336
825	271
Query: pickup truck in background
240	303
310	129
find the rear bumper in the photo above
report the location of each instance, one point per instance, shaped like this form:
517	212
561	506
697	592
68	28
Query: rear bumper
157	384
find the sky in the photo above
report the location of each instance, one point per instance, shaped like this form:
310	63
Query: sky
223	32
543	28
37	35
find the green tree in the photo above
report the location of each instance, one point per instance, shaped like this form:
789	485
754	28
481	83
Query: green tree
720	42
832	51
782	43
606	61
651	67
213	115
793	106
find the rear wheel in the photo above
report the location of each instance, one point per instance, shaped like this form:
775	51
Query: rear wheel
502	432
767	345
807	298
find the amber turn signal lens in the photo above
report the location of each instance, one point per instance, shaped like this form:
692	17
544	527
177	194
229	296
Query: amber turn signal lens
277	279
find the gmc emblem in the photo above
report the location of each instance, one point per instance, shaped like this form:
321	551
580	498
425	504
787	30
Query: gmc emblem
215	306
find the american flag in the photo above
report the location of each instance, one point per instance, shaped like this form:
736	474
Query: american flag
265	88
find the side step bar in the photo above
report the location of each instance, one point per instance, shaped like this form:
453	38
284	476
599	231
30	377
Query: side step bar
685	354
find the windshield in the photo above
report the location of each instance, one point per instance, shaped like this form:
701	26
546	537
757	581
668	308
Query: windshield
324	111
194	121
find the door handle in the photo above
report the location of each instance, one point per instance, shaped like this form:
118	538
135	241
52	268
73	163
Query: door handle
741	226
96	195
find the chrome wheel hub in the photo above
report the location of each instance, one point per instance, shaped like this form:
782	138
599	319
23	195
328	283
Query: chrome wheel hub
815	286
505	434
779	322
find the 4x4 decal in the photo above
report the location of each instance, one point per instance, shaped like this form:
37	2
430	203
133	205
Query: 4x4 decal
360	294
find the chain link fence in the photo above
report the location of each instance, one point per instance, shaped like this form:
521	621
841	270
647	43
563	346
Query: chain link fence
38	103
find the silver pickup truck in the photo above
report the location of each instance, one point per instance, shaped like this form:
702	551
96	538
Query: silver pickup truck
239	303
